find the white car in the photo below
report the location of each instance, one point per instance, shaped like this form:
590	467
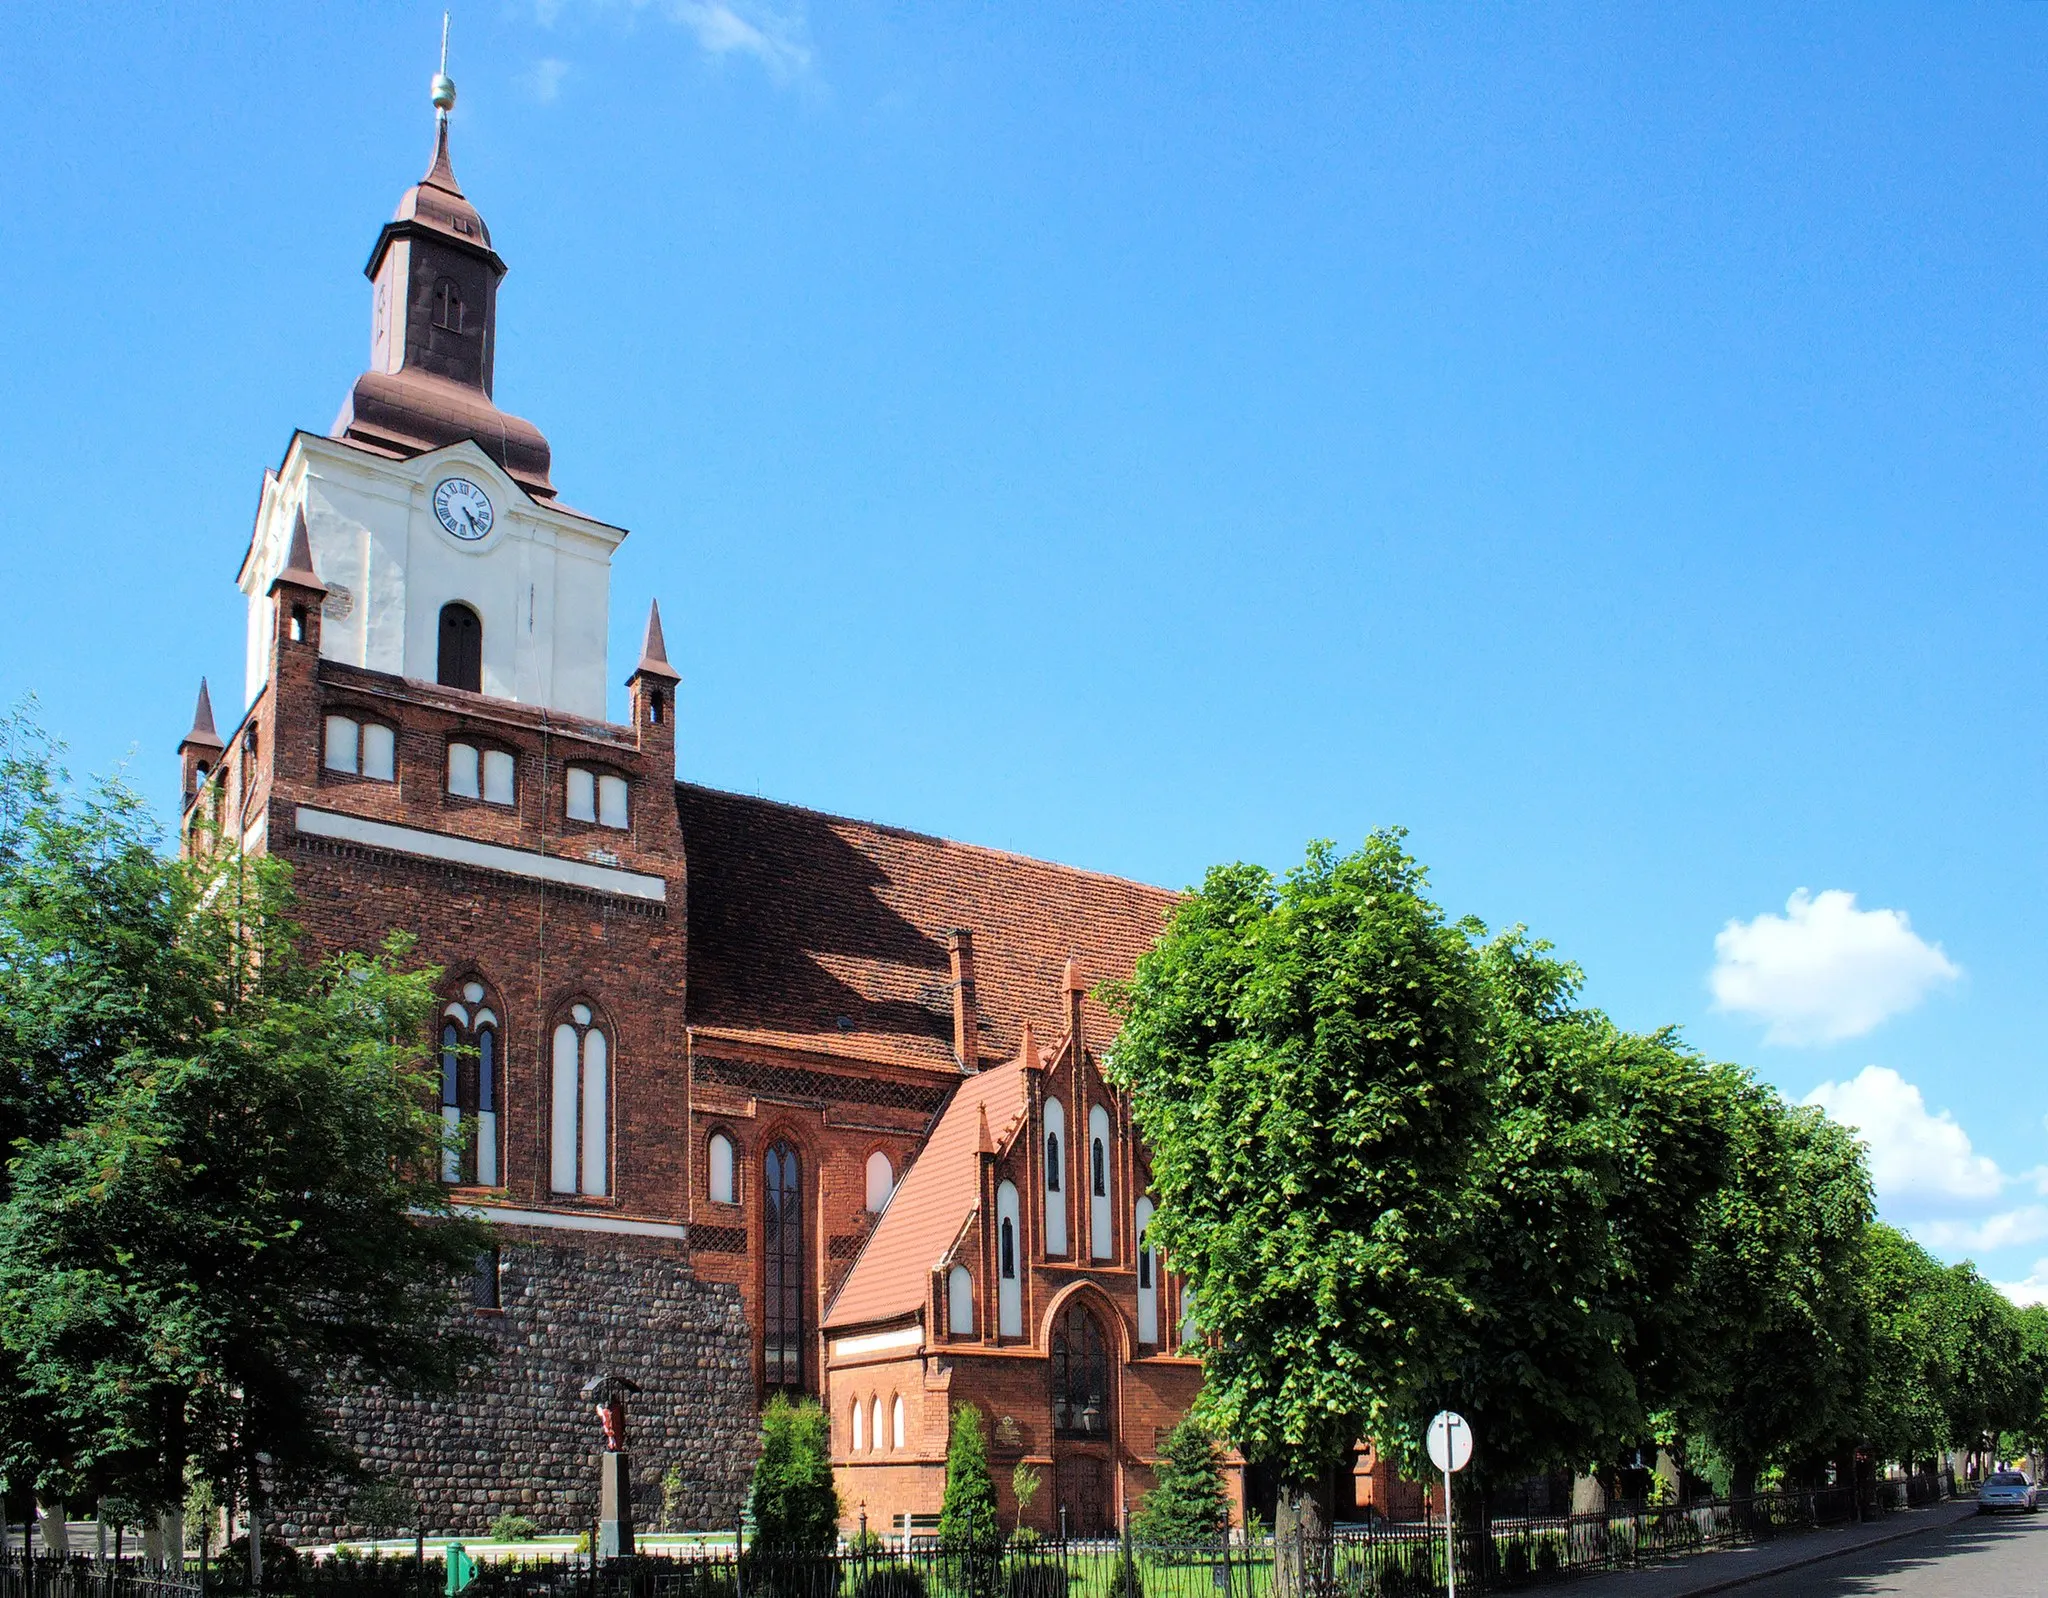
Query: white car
2007	1489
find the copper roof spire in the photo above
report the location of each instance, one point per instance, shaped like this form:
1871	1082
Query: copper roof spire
203	733
434	327
654	651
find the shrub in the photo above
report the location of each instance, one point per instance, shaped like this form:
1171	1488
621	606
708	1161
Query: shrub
891	1581
511	1527
968	1512
795	1505
1025	1540
1038	1578
1187	1503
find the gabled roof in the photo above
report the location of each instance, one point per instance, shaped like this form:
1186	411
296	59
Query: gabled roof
893	1273
814	932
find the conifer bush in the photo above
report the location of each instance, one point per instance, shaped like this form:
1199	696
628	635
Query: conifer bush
1187	1503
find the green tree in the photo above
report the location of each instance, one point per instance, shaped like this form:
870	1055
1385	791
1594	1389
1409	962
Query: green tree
1580	1225
235	1202
1780	1307
1307	1071
1188	1502
1903	1415
795	1505
967	1513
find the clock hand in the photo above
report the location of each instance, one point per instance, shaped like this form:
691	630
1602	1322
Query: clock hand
471	520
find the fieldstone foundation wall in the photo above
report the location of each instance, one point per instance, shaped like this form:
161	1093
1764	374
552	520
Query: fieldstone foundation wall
517	1435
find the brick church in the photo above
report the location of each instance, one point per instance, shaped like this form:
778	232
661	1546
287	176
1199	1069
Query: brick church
757	1099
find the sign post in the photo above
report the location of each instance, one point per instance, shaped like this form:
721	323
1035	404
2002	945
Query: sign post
1450	1449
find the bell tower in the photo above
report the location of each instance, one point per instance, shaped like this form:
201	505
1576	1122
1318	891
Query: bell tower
444	554
434	327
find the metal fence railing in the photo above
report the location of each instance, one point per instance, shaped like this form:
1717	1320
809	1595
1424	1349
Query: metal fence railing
1384	1560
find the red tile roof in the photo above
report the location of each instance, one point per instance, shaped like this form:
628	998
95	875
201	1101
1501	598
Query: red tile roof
891	1278
813	932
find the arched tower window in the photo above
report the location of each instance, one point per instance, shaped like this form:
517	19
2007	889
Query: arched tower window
579	1100
1055	1178
461	660
448	305
1080	1375
782	1251
469	1089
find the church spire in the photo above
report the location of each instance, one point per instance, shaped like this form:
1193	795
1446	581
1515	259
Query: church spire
434	326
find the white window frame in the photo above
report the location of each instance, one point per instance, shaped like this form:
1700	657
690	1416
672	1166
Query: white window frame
881	1181
579	793
462	771
960	1302
579	1099
338	744
1010	1282
1148	1273
500	777
1101	1206
722	1160
1056	1179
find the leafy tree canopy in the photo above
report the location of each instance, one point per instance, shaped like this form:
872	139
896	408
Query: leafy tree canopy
222	1190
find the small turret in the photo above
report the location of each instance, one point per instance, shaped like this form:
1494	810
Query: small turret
199	751
652	687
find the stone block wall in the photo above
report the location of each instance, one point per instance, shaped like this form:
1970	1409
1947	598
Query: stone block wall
518	1436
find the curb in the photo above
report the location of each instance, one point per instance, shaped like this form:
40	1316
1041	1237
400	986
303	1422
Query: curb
1814	1559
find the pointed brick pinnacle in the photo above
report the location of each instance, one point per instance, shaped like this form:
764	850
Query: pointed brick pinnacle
203	734
1071	980
654	651
987	1144
298	564
1027	1051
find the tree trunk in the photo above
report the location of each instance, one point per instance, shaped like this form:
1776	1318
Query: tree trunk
1301	1538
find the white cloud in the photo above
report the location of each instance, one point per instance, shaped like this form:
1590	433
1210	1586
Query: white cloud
544	79
2034	1290
1912	1151
779	41
2008	1229
1825	970
778	38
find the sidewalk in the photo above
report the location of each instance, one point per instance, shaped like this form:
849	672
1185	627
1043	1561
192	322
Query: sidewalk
1717	1571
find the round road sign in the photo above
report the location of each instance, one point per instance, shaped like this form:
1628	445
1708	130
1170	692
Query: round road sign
1450	1441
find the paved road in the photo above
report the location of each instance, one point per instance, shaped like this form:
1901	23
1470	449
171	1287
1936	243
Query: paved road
1977	1557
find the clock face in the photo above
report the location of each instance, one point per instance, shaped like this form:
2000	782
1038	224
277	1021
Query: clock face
464	509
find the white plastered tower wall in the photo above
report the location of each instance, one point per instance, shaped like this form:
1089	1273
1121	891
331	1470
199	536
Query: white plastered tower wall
540	581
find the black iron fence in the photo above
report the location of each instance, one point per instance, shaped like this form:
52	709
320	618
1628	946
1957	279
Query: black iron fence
1387	1560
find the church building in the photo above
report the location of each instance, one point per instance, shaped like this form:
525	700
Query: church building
756	1099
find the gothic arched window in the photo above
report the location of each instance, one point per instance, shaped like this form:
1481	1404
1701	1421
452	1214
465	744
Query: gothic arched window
469	1089
1055	1179
579	1100
782	1250
461	660
1080	1375
1100	1219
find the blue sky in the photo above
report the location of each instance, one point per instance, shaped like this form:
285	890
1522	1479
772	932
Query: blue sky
1605	441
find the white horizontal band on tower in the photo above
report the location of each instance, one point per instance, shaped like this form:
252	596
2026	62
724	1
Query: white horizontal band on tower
486	856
